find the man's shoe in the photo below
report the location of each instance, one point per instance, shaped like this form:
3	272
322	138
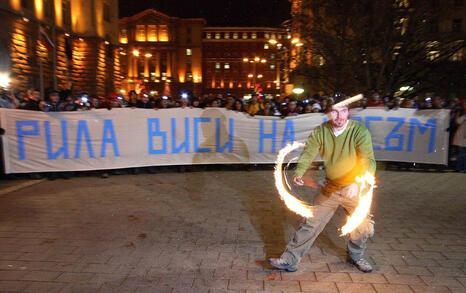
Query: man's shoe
362	265
282	265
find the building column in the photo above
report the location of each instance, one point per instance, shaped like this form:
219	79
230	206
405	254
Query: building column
157	64
169	64
146	67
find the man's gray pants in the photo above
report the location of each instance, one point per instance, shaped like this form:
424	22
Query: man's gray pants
325	205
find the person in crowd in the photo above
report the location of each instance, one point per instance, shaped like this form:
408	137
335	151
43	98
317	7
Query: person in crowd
459	139
267	110
8	99
164	103
375	101
144	102
253	107
437	102
307	108
230	101
291	109
69	104
239	106
346	149
215	103
32	101
195	103
133	99
316	108
53	103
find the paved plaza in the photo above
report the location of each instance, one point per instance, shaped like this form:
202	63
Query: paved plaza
212	231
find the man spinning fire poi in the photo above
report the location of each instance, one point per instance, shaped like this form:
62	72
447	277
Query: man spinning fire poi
346	149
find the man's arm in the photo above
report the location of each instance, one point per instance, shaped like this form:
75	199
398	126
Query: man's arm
309	153
365	153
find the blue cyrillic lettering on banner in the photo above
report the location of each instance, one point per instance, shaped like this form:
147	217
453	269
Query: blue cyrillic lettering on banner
431	123
218	135
368	126
185	143
394	135
288	133
272	136
197	149
152	133
357	118
64	141
109	129
83	130
21	133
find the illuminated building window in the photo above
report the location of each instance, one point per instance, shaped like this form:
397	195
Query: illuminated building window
235	35
217	65
226	66
266	46
272	56
227	35
272	66
152	33
456	25
245	35
267	36
208	36
106	12
163	33
140	33
217	36
254	36
273	36
279	37
123	36
188	52
432	55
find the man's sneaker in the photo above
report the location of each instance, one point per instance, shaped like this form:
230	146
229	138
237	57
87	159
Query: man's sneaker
362	265
282	265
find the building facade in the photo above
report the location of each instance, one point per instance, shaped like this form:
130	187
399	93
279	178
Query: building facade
84	34
242	60
161	54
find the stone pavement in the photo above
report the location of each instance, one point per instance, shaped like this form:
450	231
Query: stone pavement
212	231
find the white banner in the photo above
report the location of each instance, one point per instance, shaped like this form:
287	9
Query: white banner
123	138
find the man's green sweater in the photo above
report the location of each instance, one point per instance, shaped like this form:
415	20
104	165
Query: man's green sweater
345	156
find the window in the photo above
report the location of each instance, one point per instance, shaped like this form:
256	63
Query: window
66	13
48	9
458	56
106	12
227	35
123	36
267	36
456	25
163	33
254	36
226	66
208	36
235	35
217	36
272	56
140	33
266	46
272	66
152	33
188	52
245	35
432	55
217	65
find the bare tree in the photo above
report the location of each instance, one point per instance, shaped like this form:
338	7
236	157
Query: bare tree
364	45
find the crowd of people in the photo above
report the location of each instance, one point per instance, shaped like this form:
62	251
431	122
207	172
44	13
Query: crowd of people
280	106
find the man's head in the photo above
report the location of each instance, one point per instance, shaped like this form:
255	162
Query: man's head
338	116
54	97
35	95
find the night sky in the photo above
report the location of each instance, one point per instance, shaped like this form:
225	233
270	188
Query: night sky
217	13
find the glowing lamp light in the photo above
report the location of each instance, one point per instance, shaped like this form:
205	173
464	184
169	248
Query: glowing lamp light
148	55
123	53
107	43
299	44
136	53
122	91
26	19
260	76
298	90
81	39
263	61
295	41
4	80
184	95
406	88
257	59
250	75
245	59
273	41
67	34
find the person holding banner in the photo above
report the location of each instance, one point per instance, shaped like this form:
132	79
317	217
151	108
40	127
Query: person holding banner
346	149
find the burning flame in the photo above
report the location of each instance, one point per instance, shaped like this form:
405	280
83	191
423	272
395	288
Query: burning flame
366	188
291	202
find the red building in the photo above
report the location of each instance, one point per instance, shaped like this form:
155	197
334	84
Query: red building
240	60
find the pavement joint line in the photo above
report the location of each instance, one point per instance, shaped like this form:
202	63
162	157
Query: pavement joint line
20	186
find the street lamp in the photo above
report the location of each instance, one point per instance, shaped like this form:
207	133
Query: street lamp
4	80
254	61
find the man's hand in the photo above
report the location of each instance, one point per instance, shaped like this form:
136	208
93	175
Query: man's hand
298	180
353	190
